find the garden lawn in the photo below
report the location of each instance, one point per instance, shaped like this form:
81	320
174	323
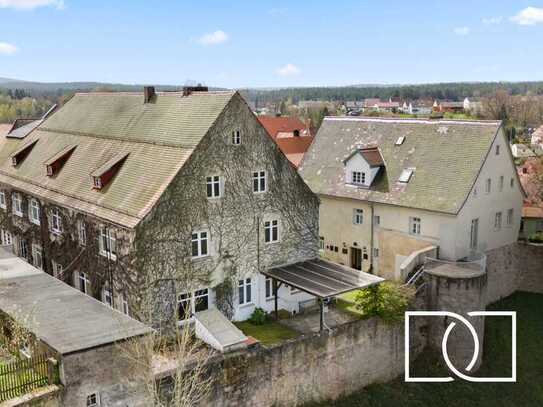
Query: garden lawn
526	392
345	302
270	333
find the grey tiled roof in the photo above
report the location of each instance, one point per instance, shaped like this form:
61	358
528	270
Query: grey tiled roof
446	156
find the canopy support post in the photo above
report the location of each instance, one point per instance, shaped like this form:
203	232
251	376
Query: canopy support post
321	306
275	297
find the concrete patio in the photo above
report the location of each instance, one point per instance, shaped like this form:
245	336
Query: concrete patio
309	321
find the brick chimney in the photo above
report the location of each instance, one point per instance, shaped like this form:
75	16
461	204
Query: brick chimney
148	94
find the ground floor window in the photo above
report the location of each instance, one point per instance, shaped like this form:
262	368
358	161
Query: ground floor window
7	240
107	296
57	269
269	288
37	256
244	288
191	302
23	249
124	305
93	400
83	282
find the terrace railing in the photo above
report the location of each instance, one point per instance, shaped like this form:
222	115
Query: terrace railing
24	375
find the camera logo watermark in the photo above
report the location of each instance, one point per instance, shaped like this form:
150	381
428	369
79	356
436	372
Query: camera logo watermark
476	348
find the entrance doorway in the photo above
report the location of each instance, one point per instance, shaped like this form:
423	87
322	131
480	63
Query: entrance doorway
356	258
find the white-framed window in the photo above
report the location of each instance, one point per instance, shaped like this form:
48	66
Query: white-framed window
17	204
23	249
236	137
474	234
7	239
37	256
377	220
414	225
358	177
358	216
500	185
269	288
200	246
83	282
81	232
321	242
192	302
124	305
375	252
259	181
107	297
107	243
498	220
497	149
213	186
93	400
510	217
271	231
57	269
97	182
488	186
34	211
244	291
3	199
56	221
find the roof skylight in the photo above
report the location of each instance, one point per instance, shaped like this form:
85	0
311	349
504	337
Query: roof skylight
405	176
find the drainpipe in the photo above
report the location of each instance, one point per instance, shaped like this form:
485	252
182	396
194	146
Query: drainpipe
371	238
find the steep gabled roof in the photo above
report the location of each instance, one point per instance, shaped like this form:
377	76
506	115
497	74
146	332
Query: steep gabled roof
158	136
445	156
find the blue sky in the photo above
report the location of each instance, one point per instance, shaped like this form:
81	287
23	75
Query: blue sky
271	43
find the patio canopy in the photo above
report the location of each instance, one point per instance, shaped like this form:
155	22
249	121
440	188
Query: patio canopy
321	278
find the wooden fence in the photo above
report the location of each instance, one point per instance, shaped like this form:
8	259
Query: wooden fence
24	375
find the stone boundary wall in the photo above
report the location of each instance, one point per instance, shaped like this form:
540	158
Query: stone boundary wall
314	368
516	267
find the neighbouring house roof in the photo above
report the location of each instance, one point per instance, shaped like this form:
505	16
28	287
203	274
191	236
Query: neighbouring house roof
281	124
158	137
61	316
444	155
532	212
322	278
294	147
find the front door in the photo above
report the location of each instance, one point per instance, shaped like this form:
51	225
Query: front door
356	258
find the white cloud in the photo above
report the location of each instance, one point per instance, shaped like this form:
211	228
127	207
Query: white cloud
7	49
462	31
529	16
31	4
214	38
288	70
492	20
276	12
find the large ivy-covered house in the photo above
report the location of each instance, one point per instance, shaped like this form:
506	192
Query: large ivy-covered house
157	204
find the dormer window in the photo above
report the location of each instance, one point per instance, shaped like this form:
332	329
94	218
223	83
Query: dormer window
405	176
55	163
362	166
104	174
20	154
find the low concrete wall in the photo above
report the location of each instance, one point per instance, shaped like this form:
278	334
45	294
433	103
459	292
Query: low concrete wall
314	368
515	267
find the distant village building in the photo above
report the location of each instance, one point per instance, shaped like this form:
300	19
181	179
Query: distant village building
291	135
526	150
450	107
160	205
537	136
392	187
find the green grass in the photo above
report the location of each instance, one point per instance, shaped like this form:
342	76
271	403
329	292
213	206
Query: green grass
345	302
268	334
526	392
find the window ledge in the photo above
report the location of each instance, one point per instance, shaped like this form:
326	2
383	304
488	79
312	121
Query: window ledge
35	222
19	214
107	255
200	258
247	305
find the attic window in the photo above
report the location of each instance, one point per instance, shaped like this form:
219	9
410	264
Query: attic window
104	174
20	154
405	176
400	140
55	163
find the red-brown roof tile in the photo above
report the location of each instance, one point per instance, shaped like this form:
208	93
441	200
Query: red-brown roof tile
283	124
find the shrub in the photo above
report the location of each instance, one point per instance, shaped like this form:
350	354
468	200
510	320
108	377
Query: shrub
258	317
536	238
387	300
